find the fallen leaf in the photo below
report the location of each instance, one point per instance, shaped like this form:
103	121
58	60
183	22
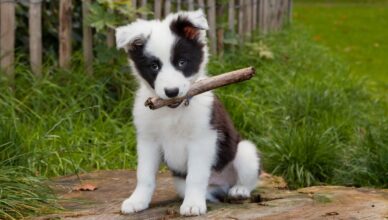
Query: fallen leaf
85	187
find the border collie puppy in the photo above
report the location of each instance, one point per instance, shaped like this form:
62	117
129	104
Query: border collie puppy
206	155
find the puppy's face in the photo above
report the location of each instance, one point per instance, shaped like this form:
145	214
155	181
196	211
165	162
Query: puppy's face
167	55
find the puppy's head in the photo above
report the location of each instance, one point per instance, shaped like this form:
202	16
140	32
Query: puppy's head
169	55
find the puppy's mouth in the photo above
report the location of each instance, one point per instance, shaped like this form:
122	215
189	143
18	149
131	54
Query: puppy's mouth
174	105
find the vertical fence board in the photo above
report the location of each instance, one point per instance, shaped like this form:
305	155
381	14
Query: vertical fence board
144	5
231	15
191	5
273	5
254	14
248	19
35	36
241	19
264	16
178	5
258	14
272	22
7	39
87	38
158	9
65	24
280	15
289	8
167	7
201	4
211	5
134	3
220	29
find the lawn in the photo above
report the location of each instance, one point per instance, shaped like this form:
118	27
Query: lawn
356	30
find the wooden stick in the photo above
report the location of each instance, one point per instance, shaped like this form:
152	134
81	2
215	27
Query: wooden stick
202	86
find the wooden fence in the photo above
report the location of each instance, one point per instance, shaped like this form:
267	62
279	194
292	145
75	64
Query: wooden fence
243	17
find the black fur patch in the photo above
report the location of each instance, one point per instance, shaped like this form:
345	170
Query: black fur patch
144	63
228	137
184	28
187	47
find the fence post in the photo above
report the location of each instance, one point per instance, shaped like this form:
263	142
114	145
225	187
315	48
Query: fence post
201	4
289	11
178	5
220	29
211	5
264	16
254	15
110	35
241	20
231	15
144	5
134	3
258	14
7	39
191	5
275	8
35	32
87	38
248	18
158	9
167	7
65	25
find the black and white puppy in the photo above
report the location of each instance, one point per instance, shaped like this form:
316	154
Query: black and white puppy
198	142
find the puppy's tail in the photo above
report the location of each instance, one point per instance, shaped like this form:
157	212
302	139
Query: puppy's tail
247	164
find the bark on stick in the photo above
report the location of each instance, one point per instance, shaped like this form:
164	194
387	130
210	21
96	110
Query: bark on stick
202	86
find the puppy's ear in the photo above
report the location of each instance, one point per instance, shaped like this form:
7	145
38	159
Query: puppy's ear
191	25
133	35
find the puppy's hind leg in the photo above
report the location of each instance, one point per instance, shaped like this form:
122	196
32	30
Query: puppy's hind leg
180	186
247	165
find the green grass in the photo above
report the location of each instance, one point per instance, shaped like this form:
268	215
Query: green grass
354	29
68	122
314	121
22	194
308	114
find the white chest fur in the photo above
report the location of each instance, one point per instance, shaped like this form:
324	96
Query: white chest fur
172	129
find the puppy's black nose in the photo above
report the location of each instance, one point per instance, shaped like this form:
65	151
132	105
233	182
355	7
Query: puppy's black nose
171	92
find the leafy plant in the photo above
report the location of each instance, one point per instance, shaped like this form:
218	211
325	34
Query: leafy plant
106	14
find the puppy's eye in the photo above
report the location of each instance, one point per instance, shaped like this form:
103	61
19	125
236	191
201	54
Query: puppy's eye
182	63
154	66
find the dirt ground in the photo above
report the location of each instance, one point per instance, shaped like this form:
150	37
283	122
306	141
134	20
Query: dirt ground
271	200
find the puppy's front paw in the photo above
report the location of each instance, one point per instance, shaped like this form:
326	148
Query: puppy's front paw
131	205
193	208
239	192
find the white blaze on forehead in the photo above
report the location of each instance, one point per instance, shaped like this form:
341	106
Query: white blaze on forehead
160	43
